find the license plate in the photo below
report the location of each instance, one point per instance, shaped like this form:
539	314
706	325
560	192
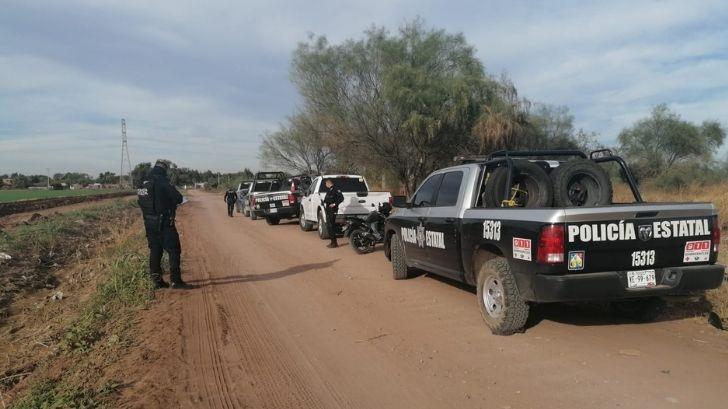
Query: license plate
273	211
272	205
641	279
285	203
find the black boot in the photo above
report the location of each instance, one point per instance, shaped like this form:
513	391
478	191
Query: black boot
178	284
160	283
333	244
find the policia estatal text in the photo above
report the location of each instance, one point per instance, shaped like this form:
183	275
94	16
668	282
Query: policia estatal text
158	200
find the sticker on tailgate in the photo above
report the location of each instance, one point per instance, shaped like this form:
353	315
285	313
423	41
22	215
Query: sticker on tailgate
522	249
696	251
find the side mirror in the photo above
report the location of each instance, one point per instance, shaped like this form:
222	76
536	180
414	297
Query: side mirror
400	201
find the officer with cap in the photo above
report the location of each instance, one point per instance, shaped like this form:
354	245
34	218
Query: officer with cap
158	200
230	198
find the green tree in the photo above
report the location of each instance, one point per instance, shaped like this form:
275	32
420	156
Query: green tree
656	144
404	102
107	178
139	173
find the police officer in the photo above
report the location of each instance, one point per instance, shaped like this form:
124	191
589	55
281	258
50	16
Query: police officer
332	200
230	198
158	200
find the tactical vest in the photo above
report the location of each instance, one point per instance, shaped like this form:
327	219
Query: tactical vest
145	196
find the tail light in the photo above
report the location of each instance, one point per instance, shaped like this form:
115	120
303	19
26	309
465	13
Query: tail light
551	244
291	198
715	234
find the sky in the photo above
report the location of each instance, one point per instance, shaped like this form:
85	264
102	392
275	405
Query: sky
200	82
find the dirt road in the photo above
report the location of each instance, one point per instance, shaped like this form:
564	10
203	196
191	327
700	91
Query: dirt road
279	321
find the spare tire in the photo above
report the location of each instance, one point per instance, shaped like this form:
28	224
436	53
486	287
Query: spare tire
581	182
530	186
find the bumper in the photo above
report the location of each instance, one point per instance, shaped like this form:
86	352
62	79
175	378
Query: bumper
280	212
613	285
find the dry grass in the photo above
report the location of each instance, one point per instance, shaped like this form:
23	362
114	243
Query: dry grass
716	194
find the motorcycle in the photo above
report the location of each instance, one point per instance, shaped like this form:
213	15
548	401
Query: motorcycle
364	234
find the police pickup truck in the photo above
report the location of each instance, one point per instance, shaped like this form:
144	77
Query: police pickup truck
283	200
629	254
263	183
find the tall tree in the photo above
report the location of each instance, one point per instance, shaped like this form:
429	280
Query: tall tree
657	143
298	146
403	102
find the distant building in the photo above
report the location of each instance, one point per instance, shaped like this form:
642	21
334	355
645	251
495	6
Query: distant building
95	186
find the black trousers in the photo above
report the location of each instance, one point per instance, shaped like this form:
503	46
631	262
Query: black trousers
231	207
331	224
162	236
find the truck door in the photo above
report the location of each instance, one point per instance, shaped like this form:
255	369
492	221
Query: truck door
443	225
310	204
414	220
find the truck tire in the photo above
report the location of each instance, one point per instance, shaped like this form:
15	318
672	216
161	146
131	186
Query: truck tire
643	310
304	224
272	220
323	232
531	186
581	182
400	270
501	305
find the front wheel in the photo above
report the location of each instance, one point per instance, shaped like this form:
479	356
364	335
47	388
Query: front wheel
359	242
501	305
323	230
304	224
400	270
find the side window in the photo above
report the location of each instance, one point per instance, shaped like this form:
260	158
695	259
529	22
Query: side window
449	189
426	194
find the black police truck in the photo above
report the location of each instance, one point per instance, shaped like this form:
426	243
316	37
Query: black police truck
540	226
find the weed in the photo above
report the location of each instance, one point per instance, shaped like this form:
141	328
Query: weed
52	394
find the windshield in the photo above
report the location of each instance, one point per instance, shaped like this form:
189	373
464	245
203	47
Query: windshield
261	186
346	184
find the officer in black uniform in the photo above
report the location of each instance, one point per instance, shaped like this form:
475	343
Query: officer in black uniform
158	200
332	200
230	198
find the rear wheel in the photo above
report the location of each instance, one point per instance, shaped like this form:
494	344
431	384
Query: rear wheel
501	305
359	242
272	220
304	224
400	270
530	186
581	182
323	231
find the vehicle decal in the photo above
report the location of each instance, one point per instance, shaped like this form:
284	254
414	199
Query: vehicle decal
576	260
423	237
696	251
624	231
522	249
492	230
643	258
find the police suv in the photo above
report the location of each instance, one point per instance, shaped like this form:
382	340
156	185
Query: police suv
530	247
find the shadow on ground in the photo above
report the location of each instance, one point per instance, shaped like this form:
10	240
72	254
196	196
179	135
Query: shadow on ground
245	278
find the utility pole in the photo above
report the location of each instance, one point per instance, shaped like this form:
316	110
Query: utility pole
48	178
125	160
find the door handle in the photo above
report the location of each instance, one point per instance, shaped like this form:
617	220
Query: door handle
449	220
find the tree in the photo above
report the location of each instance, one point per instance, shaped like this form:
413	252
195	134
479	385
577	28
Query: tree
139	173
107	178
656	144
299	146
405	102
504	121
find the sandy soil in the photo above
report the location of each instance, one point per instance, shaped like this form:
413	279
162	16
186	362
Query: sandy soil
279	321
